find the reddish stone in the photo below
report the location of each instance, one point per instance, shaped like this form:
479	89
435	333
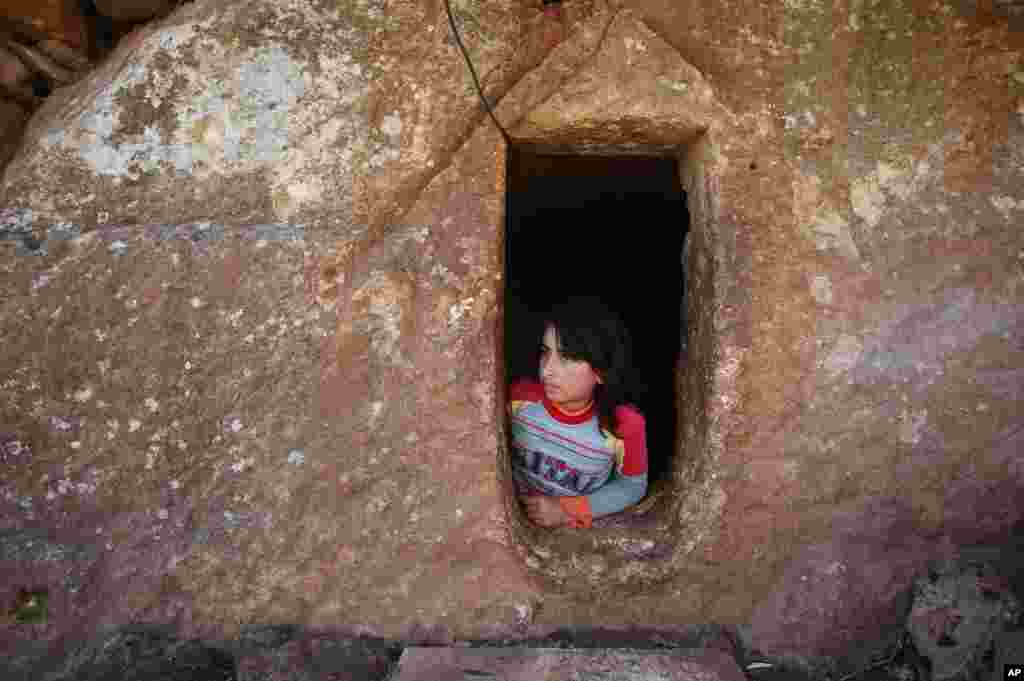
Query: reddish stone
959	249
13	71
311	277
133	10
12	121
54	18
853	291
982	278
232	267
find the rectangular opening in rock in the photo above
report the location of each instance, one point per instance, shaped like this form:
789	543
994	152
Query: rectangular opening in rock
610	226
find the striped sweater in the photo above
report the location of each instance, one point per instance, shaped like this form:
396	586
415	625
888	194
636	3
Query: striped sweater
553	453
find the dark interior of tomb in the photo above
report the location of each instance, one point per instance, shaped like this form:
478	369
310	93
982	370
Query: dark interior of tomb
611	226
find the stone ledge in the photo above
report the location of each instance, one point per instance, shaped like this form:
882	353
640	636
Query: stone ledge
554	664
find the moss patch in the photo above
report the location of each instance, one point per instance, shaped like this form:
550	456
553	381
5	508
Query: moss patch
30	606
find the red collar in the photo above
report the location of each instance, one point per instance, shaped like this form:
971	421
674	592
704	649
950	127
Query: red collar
568	419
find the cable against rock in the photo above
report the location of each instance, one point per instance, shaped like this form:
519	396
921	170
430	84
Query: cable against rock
455	31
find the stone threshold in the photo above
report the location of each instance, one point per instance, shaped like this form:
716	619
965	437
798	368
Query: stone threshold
140	653
557	664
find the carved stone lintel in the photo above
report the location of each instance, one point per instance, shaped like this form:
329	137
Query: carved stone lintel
64	54
42	64
22	94
13	70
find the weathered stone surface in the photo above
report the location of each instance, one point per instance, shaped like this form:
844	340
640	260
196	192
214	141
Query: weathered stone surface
252	310
522	664
265	654
133	10
1009	648
959	608
13	71
143	654
41	64
64	54
41	19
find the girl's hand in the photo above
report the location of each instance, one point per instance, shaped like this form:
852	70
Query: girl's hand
545	511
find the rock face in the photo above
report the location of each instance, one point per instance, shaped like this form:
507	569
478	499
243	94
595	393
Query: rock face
12	121
426	664
139	655
252	303
133	10
959	609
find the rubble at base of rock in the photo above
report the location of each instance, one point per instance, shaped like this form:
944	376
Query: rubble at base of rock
918	652
253	335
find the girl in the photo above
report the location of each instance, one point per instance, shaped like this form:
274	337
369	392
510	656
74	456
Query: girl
579	451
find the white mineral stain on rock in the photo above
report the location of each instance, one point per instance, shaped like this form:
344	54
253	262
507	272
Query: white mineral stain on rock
634	44
392	125
387	297
893	179
152	404
911	425
869	194
1006	204
458	310
242	464
821	289
867	199
831	231
485	398
375	410
845	354
134	425
377	504
834	569
679	86
820	220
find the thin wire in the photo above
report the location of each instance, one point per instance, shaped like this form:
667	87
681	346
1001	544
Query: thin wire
455	31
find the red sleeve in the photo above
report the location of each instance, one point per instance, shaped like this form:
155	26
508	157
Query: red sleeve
578	509
633	429
526	390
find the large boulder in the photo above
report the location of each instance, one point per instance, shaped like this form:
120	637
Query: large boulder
253	303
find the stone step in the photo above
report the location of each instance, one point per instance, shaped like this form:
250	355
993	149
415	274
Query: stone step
557	664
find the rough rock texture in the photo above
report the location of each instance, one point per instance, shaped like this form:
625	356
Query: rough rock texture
959	609
252	309
12	69
12	122
133	10
139	655
41	19
427	664
144	653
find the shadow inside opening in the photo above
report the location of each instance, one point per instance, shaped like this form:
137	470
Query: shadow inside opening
611	226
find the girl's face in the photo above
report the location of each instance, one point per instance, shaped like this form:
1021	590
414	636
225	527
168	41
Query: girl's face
568	383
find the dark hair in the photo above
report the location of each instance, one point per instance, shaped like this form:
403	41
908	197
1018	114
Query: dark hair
589	330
